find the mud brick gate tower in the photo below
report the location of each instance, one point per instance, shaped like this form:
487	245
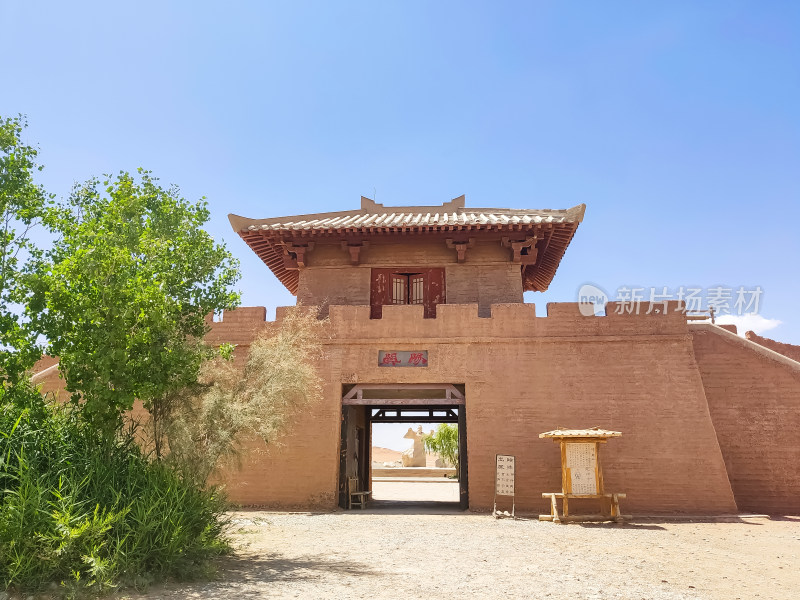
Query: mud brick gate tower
427	314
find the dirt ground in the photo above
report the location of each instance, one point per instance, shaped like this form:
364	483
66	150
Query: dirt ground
430	550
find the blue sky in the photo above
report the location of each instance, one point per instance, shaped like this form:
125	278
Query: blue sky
677	123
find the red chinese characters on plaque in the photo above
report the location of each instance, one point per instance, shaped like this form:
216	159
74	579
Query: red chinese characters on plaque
402	358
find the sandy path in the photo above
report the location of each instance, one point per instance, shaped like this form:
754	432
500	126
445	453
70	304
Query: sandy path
394	554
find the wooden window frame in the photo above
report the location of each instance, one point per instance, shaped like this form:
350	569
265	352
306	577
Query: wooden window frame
407	285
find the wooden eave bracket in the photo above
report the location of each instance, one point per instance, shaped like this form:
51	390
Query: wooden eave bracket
517	246
294	255
460	247
354	248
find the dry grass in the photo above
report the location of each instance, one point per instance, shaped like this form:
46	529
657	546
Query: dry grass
231	404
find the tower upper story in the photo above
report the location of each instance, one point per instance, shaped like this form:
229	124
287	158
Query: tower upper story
427	255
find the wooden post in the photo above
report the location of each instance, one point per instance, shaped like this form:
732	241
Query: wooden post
344	498
463	481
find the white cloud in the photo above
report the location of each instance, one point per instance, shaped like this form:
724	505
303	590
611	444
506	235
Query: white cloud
749	322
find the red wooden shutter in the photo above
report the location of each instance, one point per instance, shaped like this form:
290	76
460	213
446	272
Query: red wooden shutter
434	292
380	292
427	286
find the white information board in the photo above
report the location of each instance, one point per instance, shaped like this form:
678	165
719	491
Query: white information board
582	465
504	480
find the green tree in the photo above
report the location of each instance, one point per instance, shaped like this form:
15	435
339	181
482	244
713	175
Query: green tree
24	204
123	294
444	442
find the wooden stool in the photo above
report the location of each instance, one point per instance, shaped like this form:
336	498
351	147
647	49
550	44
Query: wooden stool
354	496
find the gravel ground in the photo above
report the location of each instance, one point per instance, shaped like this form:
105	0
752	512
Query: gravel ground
431	551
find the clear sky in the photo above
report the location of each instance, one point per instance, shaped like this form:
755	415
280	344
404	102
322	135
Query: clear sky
677	123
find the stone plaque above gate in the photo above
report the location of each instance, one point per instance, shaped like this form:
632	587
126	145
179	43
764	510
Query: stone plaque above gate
402	358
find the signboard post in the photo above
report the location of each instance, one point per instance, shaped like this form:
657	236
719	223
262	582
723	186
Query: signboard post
504	483
581	475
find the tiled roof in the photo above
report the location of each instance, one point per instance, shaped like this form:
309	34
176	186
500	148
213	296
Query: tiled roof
372	216
477	216
267	237
594	432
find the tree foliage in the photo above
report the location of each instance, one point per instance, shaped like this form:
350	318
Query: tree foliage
24	204
232	403
123	294
444	442
122	298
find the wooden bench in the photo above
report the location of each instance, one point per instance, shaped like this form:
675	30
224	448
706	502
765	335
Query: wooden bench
354	495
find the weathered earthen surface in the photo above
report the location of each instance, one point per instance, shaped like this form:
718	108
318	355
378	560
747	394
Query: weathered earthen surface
788	350
754	401
522	375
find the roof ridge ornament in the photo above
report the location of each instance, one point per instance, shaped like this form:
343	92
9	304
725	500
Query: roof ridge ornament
576	213
456	205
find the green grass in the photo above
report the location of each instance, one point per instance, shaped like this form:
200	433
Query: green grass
89	513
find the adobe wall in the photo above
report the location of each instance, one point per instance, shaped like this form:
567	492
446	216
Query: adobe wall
487	277
47	378
299	469
523	375
754	398
789	350
704	414
333	285
484	285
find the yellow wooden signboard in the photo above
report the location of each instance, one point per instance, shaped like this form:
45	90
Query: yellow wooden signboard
581	475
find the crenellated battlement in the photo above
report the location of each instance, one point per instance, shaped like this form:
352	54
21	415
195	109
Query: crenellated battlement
564	319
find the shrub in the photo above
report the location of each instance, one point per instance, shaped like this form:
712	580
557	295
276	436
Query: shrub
87	511
208	424
444	442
